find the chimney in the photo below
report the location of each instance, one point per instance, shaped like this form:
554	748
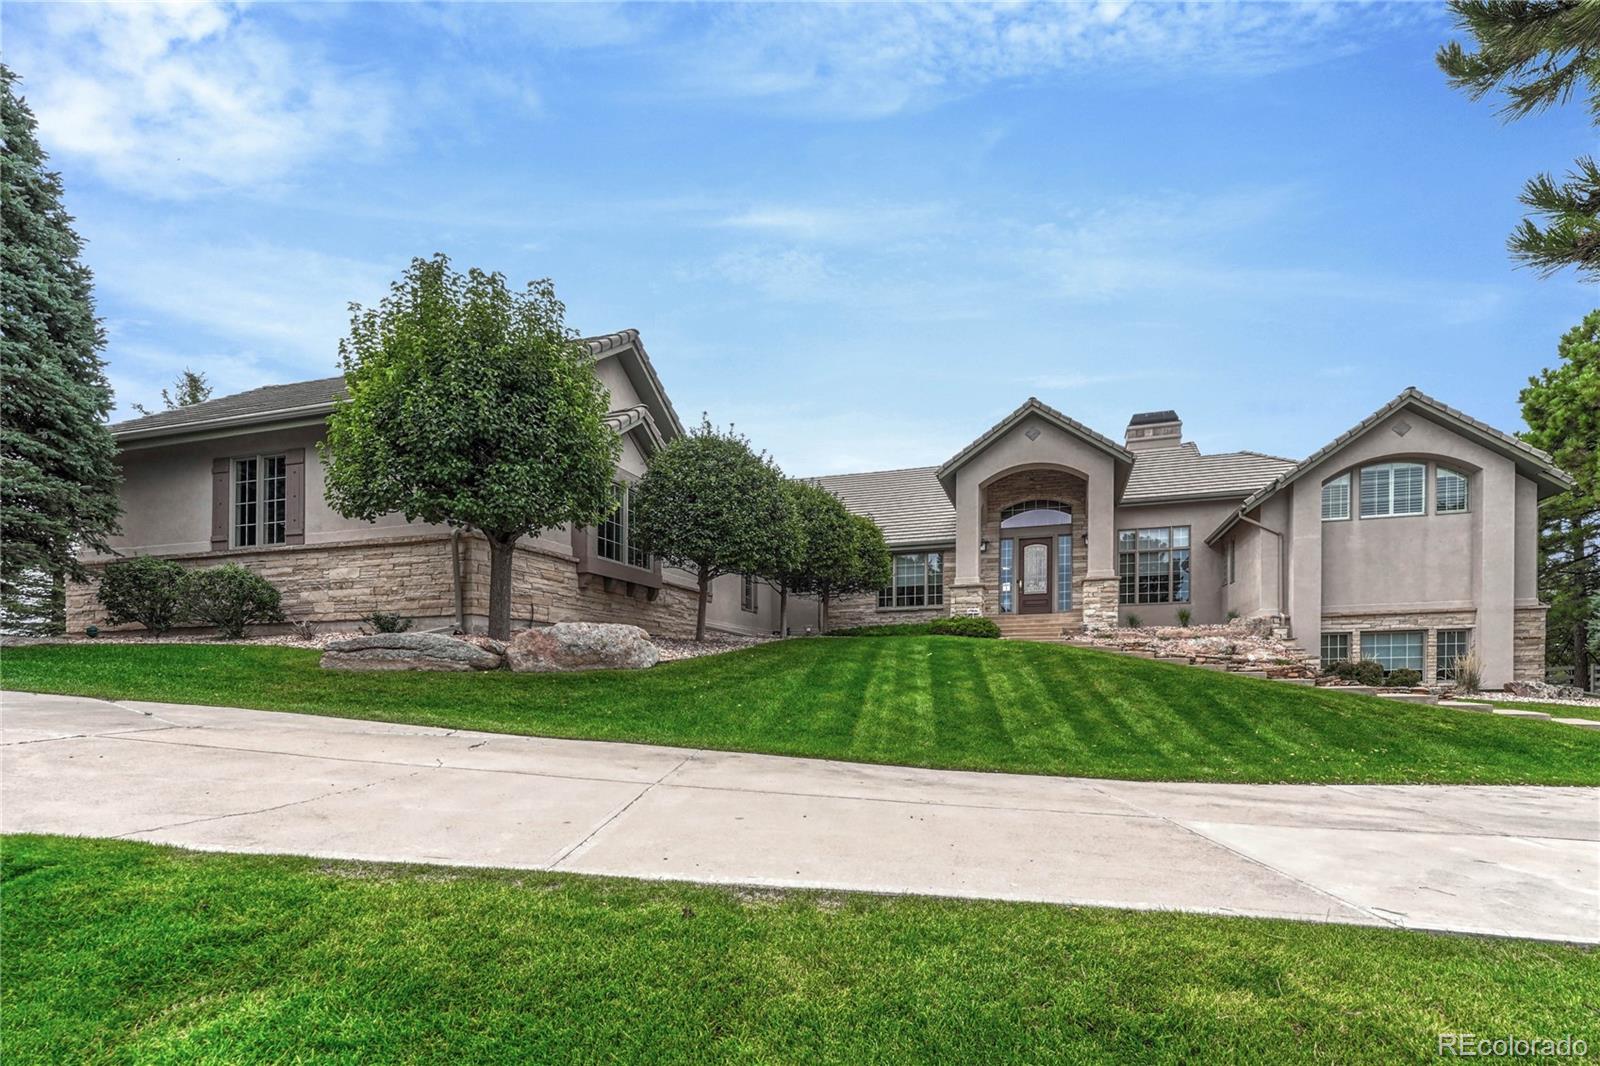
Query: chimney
1153	429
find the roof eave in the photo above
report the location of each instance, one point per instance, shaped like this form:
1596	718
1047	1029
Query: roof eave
209	425
946	473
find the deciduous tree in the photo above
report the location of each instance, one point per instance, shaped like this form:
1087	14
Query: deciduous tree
711	505
57	459
471	405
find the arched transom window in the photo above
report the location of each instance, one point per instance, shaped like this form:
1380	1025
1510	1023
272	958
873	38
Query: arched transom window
1036	513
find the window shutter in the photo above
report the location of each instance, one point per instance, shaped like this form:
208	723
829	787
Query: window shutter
294	505
220	469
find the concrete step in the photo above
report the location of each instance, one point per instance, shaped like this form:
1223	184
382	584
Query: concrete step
1509	712
1182	660
1297	680
1408	697
1466	705
1581	723
1249	673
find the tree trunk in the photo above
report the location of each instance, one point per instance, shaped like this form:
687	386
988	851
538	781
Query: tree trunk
783	611
700	608
1580	652
822	615
500	587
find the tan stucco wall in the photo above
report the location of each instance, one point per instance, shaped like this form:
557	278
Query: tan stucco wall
1206	595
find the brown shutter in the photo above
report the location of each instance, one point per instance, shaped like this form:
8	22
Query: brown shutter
294	518
220	469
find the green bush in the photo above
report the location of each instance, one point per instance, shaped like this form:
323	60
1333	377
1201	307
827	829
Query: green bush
1184	615
1365	672
1405	678
230	598
146	590
964	627
385	622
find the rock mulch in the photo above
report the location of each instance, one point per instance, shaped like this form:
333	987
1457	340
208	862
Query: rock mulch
673	649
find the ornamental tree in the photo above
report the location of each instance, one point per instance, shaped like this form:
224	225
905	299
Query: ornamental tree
57	459
809	506
472	406
828	559
711	505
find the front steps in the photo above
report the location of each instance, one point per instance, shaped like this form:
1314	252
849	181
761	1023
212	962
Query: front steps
1039	627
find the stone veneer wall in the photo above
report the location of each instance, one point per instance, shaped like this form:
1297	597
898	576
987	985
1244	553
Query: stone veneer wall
1430	622
336	584
1033	485
1528	642
1100	604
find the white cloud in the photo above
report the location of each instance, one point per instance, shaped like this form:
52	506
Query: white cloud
871	60
175	99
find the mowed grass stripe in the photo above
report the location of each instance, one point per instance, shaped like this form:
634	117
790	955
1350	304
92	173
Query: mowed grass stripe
916	701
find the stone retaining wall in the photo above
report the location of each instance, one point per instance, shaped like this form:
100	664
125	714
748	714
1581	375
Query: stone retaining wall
1430	622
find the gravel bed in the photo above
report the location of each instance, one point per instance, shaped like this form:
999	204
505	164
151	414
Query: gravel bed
672	650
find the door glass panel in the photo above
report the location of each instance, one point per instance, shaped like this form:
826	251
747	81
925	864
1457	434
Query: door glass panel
1035	572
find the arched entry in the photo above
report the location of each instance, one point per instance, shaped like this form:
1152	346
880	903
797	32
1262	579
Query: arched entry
1036	556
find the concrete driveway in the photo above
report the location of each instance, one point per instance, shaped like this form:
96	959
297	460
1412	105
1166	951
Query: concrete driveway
1503	861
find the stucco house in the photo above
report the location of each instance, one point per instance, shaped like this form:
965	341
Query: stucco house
238	479
1408	539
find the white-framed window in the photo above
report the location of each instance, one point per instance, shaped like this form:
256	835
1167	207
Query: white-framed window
260	501
1392	489
1449	491
1153	565
1449	645
1335	648
1336	498
613	536
1394	651
747	595
918	581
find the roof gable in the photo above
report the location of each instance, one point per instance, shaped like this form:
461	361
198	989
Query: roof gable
1072	427
1530	460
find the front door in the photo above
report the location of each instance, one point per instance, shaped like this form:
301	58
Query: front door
1035	576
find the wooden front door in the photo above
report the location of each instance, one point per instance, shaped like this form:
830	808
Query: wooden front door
1034	576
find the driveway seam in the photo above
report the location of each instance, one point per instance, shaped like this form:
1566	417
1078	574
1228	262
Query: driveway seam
274	807
569	852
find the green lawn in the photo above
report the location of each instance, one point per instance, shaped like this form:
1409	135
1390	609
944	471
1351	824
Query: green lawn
127	952
1555	710
919	701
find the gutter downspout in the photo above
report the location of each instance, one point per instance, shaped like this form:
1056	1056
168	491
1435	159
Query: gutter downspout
1283	573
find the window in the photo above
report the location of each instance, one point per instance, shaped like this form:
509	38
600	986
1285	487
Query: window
1036	513
1153	565
1007	603
1391	489
747	596
1336	499
1393	651
1449	492
1064	573
612	536
1335	648
260	500
1449	645
918	581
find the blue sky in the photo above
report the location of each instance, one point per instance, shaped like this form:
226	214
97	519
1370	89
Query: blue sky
861	234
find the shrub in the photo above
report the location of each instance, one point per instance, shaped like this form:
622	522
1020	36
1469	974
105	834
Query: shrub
964	627
304	628
1405	678
1135	621
385	622
1366	672
1233	616
230	598
146	590
1184	614
1469	671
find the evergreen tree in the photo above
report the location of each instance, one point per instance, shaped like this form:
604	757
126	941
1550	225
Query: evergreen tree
1562	409
190	388
1539	52
57	459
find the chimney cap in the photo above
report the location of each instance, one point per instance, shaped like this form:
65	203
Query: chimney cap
1152	418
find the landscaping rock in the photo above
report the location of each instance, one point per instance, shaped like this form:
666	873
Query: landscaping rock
581	646
409	651
1544	690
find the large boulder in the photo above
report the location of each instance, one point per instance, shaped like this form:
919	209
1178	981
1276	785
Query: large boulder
409	651
581	646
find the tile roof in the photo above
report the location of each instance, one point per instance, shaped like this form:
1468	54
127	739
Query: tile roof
910	505
311	397
1555	478
1175	473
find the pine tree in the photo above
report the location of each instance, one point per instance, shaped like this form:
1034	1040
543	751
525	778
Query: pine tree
190	388
1539	52
57	459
